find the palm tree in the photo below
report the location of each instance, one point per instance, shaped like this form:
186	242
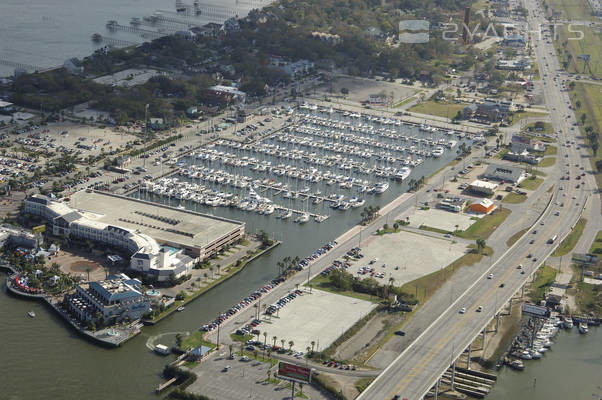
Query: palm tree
274	339
313	343
290	345
480	244
230	347
88	269
282	342
211	269
265	338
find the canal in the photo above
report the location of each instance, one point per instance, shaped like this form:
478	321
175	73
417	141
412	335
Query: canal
43	358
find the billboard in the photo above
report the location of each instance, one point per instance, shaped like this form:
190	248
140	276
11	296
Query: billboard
39	229
536	311
293	372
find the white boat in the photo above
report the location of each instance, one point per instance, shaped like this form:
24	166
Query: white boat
320	218
568	323
303	218
437	151
358	203
162	349
181	308
403	174
31	314
583	327
286	214
269	210
381	187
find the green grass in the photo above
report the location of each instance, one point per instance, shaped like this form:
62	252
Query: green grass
568	244
241	338
323	283
589	298
597	244
544	279
526	114
531	183
547	162
590	97
515	237
195	340
551	151
484	227
547	129
431	229
514	198
571	9
590	44
362	383
440	109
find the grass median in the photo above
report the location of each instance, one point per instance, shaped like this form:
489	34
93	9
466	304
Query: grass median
514	198
569	242
531	183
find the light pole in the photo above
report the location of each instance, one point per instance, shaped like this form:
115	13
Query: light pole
145	133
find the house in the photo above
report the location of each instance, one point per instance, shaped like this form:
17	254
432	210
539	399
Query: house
453	204
123	161
514	40
116	299
520	143
482	187
377	99
229	92
6	107
492	110
504	173
74	66
523	156
483	206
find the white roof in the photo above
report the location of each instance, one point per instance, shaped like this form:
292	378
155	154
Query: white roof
486	203
483	184
5	103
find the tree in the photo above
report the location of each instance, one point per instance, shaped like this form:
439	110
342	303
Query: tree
583	118
480	245
230	347
274	339
595	146
282	341
313	343
265	338
578	104
599	165
290	345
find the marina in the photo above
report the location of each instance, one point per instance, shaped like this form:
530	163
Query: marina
323	164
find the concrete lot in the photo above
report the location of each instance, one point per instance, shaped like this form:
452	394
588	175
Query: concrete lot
320	316
441	219
128	77
416	255
243	380
87	135
361	89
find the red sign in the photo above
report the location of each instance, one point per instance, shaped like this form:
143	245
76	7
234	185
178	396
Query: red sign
294	372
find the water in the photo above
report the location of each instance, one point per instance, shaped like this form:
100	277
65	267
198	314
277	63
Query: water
44	358
45	33
572	369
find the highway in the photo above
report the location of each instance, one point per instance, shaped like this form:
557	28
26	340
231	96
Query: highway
419	366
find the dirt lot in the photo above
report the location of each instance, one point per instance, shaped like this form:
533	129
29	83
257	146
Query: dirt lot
361	89
77	263
416	255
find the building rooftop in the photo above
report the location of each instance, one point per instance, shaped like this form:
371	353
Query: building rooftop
162	223
482	184
501	172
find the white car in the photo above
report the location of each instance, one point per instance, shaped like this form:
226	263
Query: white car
490	276
462	310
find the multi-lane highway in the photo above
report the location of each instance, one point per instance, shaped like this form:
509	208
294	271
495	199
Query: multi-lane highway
417	369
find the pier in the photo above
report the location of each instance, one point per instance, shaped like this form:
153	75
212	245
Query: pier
148	34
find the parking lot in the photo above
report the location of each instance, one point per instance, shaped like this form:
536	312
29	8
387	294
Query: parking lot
441	219
232	379
406	256
317	316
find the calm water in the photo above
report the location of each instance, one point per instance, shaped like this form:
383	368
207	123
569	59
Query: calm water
572	369
45	33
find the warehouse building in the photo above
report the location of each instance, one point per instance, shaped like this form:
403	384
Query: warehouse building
162	241
504	173
483	188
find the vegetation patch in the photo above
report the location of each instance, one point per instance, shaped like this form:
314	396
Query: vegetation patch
597	245
569	242
547	162
438	108
531	183
362	383
544	278
484	227
514	238
514	198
